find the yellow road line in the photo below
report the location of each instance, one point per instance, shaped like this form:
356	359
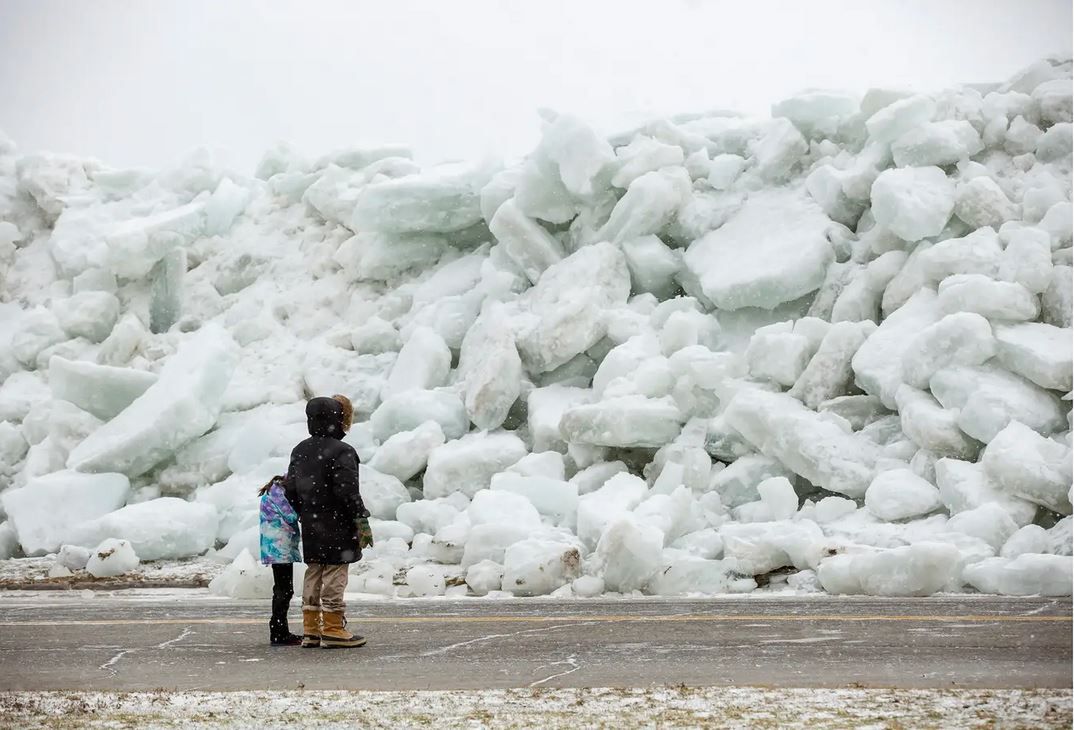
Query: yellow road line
707	618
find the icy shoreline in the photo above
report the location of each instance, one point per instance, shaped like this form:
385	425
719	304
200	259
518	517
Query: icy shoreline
830	349
713	707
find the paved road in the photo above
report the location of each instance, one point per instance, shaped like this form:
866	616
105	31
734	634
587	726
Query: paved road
132	643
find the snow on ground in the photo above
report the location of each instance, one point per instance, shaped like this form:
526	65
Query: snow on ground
710	707
829	349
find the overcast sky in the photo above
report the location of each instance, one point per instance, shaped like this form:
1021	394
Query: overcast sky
141	83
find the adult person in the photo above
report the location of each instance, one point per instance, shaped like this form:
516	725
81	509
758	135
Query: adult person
322	486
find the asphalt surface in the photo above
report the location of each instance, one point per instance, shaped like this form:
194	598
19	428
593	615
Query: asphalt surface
126	643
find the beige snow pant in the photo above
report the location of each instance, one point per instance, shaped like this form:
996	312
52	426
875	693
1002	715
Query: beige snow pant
323	587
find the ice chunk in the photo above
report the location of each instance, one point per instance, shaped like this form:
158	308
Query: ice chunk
724	170
817	111
988	398
976	253
831	509
860	299
779	496
778	356
467	465
102	390
828	374
626	421
428	515
1056	302
409	409
899	494
899	117
406	453
545	408
137	244
931	426
1021	136
89	314
375	336
987	297
877	364
963	338
579	155
73	557
1058	224
809	445
787	256
1039	352
964	485
490	369
1028	539
653	266
988	522
648	205
245	577
913	202
568	304
44	511
631	554
165	292
484	577
502	508
620	494
1025	575
381	493
160	529
112	557
1056	143
423	364
536	567
920	569
553	498
690	575
642	155
1025	464
426	581
981	202
182	405
936	143
527	243
778	150
1027	260
37	330
444	199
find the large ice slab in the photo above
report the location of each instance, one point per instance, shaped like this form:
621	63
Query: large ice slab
160	529
45	510
626	421
439	200
467	464
102	390
1027	465
490	369
568	304
182	405
775	249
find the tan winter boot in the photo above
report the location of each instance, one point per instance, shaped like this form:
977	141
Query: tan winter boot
311	628
335	635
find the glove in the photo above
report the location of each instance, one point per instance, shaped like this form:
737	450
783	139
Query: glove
365	533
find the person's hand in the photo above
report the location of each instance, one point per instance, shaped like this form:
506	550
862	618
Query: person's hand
365	533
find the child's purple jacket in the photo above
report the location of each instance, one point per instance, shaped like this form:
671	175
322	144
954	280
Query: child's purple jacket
279	527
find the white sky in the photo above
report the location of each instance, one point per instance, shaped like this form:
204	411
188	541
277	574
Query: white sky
141	83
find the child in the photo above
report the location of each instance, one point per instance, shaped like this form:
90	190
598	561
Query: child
279	548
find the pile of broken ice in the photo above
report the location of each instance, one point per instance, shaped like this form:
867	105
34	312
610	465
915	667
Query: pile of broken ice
830	349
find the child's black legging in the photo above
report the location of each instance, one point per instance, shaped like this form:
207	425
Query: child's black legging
283	588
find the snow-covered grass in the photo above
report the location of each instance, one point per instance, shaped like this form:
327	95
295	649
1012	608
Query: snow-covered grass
709	707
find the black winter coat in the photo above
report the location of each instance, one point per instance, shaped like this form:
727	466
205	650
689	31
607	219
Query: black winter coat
322	486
